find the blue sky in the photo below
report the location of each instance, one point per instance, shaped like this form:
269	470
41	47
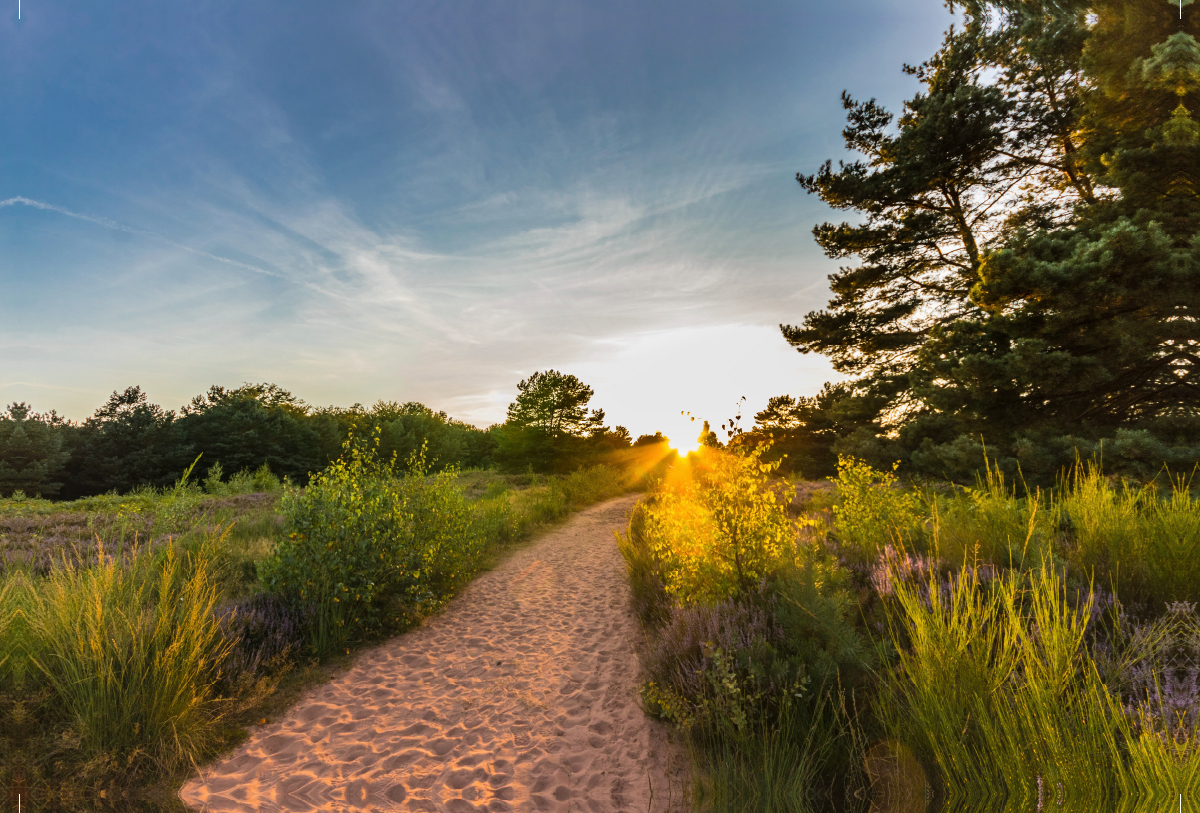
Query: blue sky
426	201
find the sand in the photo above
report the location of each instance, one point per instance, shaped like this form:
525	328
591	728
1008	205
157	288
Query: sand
521	696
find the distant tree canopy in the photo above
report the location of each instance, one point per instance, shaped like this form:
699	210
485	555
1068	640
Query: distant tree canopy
32	457
130	442
1027	244
549	426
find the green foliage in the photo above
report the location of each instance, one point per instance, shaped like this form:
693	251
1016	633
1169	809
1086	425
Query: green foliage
965	657
549	427
1028	265
129	442
647	580
769	766
995	688
719	530
260	481
252	426
369	548
872	510
348	548
990	523
750	668
409	428
1138	540
32	456
1007	676
446	545
1145	544
556	403
130	651
800	431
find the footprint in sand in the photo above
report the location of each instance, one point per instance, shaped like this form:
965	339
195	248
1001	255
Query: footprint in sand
521	696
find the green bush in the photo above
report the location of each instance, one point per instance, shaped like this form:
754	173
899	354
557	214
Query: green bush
242	482
719	527
752	634
446	544
362	539
347	546
873	510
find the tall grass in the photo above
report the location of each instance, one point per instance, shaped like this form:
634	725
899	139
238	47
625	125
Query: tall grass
130	651
1035	648
12	623
1148	545
999	680
993	522
994	688
770	766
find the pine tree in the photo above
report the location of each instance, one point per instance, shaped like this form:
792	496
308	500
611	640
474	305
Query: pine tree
555	403
1091	333
1053	308
31	452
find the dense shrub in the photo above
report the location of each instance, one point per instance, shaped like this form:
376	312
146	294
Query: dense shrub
341	552
261	480
445	544
754	672
719	530
873	509
721	659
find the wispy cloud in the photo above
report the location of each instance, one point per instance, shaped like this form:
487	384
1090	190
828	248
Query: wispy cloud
428	201
121	227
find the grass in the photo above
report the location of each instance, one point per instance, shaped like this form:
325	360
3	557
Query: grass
117	653
130	652
1007	648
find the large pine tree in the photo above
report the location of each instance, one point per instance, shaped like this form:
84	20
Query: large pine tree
1027	260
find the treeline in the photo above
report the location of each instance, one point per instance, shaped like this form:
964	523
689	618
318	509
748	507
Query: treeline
130	442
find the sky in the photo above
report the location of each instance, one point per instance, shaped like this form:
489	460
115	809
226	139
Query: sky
427	201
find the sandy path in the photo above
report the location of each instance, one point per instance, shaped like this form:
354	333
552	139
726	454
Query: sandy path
520	696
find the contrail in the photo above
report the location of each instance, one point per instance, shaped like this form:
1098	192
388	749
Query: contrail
114	225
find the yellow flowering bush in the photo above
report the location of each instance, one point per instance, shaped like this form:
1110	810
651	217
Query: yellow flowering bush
872	509
718	527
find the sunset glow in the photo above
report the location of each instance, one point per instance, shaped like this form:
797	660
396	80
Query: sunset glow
684	434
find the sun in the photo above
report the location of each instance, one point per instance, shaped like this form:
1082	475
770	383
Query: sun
685	435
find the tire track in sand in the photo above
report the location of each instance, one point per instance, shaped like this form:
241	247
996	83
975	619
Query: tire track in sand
520	696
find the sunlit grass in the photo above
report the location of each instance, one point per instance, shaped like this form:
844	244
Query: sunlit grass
114	611
1043	648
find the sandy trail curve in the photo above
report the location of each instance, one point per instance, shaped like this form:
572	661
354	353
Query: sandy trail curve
521	696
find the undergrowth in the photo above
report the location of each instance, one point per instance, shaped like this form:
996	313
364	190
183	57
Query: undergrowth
140	634
987	646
